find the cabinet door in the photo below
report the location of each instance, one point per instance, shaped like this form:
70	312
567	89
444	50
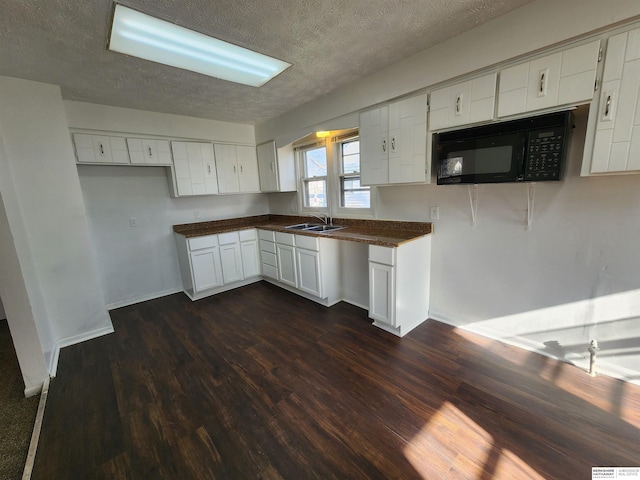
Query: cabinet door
309	275
374	146
119	151
250	258
561	78
136	151
209	168
248	177
464	103
227	168
617	139
408	140
85	151
100	149
180	167
382	292
206	270
163	150
231	262
194	168
287	265
267	166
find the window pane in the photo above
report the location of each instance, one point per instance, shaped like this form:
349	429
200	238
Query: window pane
351	157
315	162
354	195
316	193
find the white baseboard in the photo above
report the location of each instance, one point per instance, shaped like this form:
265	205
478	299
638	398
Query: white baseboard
35	435
144	298
579	361
68	341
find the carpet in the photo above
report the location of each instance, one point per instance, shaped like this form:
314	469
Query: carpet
17	413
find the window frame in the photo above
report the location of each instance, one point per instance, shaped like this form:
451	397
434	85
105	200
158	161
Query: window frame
338	143
333	145
304	179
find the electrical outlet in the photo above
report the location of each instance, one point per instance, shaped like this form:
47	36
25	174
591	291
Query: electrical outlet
196	214
435	212
133	222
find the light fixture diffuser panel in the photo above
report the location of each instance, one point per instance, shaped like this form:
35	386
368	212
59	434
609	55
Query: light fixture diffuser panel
135	33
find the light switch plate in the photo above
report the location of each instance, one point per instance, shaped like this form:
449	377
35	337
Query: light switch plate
435	212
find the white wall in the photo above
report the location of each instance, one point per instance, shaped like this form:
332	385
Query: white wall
19	312
46	216
138	263
576	275
126	120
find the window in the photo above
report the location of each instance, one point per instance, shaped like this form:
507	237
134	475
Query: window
314	176
352	194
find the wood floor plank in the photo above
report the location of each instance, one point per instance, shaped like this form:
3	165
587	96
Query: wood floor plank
261	383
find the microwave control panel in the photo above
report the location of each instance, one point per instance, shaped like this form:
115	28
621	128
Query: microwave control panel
545	155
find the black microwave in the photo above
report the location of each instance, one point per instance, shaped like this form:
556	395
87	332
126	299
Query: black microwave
526	150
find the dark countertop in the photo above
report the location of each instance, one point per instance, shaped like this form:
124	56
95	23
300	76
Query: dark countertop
374	232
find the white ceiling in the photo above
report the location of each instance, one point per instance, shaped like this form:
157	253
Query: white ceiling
329	42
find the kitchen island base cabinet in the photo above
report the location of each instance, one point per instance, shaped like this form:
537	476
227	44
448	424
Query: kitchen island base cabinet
399	282
213	264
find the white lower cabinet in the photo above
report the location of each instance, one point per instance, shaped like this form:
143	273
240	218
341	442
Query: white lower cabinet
268	255
382	291
230	257
249	253
287	264
206	271
399	281
205	265
306	265
214	263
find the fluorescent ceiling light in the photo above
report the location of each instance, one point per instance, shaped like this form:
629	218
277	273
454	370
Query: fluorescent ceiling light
135	33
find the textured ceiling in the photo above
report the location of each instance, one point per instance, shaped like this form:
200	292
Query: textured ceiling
329	42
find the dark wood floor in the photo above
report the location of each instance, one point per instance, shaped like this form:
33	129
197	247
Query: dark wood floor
260	383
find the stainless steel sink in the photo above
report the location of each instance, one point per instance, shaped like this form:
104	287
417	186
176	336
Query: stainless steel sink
323	228
314	227
302	226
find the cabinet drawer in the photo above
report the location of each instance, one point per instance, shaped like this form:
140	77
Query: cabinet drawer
267	235
246	235
384	255
267	246
208	241
269	258
285	238
228	238
310	243
269	271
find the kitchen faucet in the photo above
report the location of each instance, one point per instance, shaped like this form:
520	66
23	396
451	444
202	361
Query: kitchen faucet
327	220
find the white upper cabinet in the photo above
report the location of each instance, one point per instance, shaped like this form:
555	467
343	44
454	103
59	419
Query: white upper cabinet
249	178
194	168
393	142
100	149
408	140
562	78
147	151
616	141
374	148
463	103
276	168
237	167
